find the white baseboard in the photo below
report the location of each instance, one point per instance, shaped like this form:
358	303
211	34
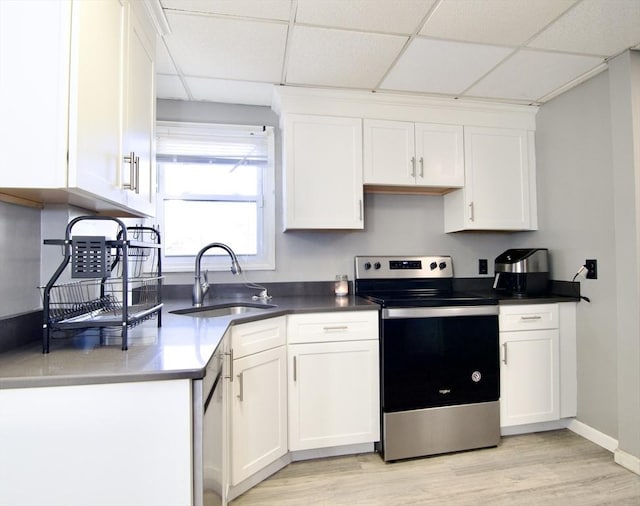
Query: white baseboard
593	435
334	451
631	462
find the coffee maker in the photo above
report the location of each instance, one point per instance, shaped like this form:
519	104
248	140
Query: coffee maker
522	272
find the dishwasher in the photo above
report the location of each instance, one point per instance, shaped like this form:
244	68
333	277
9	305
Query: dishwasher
208	440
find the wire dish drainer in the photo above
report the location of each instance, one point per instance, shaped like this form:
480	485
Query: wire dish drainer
113	282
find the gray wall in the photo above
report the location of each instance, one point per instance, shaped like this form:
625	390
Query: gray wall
19	259
624	82
588	162
575	212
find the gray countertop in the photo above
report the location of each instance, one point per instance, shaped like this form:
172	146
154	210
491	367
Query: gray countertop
181	348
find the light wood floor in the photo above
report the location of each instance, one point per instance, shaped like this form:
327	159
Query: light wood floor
547	468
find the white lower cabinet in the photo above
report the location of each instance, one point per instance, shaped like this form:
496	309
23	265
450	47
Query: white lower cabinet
529	364
333	379
95	445
258	397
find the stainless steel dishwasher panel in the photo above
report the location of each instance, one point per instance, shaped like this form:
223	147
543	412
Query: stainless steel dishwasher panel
208	436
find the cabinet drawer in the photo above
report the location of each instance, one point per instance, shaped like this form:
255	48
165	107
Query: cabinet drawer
331	327
533	317
254	337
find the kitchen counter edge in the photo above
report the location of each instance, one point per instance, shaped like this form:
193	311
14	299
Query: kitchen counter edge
90	363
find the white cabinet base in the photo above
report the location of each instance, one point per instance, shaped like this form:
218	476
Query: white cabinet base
97	445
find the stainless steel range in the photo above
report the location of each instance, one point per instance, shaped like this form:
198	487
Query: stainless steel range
439	354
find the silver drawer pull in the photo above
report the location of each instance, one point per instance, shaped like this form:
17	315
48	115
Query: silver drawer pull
240	396
531	318
335	328
504	356
295	369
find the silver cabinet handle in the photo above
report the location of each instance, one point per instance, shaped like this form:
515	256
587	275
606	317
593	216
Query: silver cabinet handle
531	318
360	205
131	160
137	172
295	368
335	328
134	172
230	377
504	353
413	166
240	396
421	166
471	211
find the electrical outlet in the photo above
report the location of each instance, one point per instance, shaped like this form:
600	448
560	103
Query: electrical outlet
483	267
592	269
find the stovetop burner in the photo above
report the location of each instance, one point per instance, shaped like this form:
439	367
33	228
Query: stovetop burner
414	281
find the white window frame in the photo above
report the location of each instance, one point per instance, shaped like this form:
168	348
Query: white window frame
265	259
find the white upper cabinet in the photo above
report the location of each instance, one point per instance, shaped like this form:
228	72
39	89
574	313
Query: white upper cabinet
140	115
399	153
95	98
479	155
64	137
500	190
322	172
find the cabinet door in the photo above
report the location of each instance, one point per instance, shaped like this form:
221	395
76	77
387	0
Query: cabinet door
34	46
258	412
439	155
139	117
323	172
96	77
500	190
333	394
389	153
497	178
529	377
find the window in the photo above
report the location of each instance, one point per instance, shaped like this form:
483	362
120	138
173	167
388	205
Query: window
216	184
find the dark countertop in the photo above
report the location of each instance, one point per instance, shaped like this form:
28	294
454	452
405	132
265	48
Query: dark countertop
180	349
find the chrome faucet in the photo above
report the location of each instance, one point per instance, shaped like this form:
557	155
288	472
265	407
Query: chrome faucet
201	288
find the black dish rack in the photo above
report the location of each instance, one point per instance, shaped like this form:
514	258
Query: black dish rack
113	282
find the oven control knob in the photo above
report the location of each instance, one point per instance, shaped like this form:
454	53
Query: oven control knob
433	265
443	266
367	266
377	265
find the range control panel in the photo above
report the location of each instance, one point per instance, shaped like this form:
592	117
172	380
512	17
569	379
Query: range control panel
393	267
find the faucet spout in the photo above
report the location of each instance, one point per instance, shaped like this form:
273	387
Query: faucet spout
201	288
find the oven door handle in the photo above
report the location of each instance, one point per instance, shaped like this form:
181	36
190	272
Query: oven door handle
438	312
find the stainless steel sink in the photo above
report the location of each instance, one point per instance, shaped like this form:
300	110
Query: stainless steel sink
229	309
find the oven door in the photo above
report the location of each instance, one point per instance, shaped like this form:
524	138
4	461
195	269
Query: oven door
434	357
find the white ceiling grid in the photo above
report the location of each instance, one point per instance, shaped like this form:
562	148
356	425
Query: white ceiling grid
518	51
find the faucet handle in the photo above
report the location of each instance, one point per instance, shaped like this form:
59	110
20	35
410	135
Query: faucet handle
206	279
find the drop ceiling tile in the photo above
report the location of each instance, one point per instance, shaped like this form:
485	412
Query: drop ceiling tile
267	9
437	66
170	87
365	15
205	46
324	57
164	64
596	27
530	75
230	92
500	22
